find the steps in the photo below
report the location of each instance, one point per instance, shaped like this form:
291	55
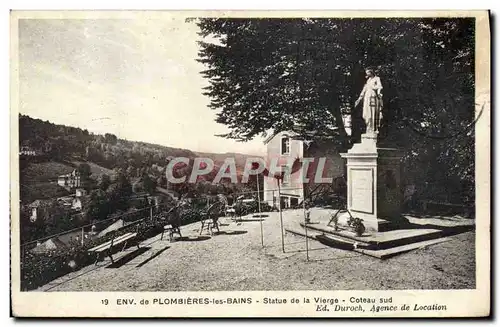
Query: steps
381	240
380	245
390	252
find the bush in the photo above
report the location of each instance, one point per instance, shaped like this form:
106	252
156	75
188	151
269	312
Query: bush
39	269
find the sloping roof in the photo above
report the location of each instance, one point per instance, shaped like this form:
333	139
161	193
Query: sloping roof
114	226
49	245
38	203
69	237
271	136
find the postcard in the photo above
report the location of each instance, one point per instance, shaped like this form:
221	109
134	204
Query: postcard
250	164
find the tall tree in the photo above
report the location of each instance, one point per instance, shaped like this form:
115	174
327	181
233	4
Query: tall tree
305	74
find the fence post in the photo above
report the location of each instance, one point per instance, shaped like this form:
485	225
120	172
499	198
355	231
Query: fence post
260	213
83	234
305	227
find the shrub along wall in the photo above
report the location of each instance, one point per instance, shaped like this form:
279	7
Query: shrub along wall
39	269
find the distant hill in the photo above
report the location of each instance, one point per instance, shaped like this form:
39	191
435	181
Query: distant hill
64	147
60	143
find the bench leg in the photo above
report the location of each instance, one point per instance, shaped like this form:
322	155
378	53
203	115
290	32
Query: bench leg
161	239
111	256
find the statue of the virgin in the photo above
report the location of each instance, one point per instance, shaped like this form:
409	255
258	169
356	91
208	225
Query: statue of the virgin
372	101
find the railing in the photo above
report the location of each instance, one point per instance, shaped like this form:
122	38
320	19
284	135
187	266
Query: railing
92	228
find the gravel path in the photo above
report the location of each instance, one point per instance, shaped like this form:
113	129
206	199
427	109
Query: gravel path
234	260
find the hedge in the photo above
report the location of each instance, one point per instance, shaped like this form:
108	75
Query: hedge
40	269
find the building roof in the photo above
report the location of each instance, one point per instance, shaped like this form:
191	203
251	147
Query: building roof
273	134
114	226
49	245
38	203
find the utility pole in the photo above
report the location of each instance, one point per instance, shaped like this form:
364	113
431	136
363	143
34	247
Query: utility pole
281	218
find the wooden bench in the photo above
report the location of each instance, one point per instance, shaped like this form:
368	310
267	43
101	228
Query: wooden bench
106	248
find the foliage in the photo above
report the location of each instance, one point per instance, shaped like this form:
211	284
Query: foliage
304	75
357	225
149	184
132	159
39	269
103	182
84	170
98	206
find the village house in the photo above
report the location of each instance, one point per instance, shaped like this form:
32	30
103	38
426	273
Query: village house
37	208
284	147
78	200
70	181
74	201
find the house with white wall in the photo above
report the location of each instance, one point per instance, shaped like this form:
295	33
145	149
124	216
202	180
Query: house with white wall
283	148
70	181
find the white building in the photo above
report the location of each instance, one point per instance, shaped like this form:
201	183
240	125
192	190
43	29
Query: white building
283	148
70	180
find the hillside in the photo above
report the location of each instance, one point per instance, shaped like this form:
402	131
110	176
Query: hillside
38	180
59	142
63	148
44	171
95	169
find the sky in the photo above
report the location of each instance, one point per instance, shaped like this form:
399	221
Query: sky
135	78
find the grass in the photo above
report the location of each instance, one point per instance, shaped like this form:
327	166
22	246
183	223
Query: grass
234	260
39	179
45	171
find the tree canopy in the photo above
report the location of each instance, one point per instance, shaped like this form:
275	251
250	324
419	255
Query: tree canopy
304	75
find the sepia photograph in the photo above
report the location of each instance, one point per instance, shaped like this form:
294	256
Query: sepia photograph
270	164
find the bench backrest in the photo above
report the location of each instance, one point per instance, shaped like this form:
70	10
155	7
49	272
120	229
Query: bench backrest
112	242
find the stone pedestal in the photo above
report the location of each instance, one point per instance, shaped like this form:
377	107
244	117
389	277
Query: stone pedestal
374	191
